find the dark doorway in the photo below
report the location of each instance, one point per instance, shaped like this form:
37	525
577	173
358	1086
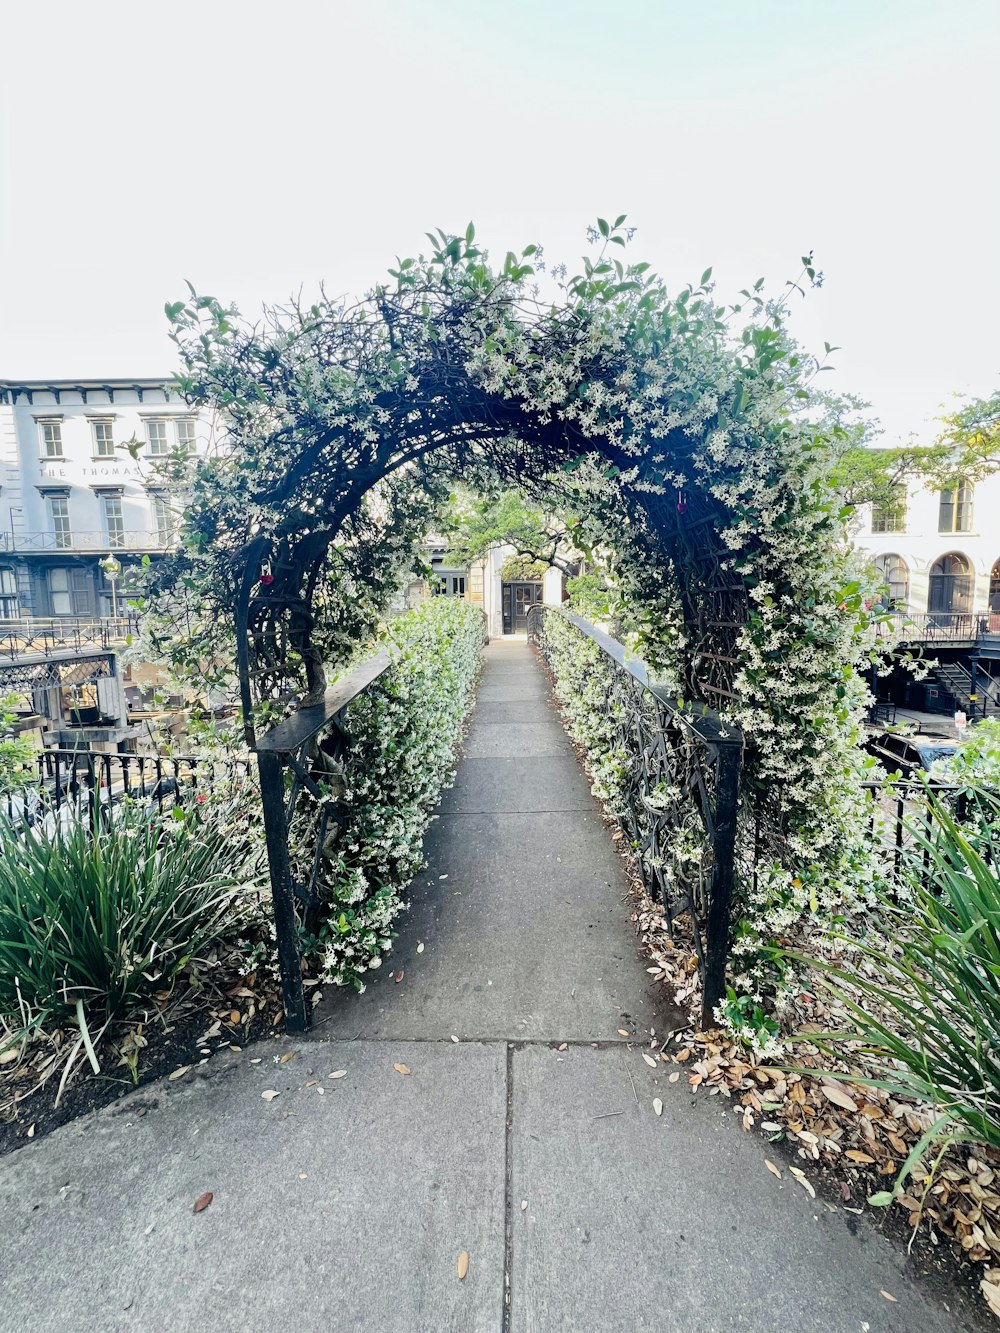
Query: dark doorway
518	598
950	589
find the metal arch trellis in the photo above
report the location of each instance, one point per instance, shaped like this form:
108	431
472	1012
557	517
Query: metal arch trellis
679	802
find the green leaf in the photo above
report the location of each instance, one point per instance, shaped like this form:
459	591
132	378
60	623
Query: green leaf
882	1199
603	227
705	277
470	234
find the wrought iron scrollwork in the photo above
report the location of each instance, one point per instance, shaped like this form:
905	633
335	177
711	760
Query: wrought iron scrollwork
677	798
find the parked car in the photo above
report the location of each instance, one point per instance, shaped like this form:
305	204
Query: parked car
909	754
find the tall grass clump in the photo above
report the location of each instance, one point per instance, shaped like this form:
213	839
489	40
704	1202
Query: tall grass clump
94	920
921	989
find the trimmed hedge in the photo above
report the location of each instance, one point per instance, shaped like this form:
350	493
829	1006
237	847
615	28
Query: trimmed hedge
404	734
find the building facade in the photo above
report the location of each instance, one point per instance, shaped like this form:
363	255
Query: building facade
505	602
80	496
938	551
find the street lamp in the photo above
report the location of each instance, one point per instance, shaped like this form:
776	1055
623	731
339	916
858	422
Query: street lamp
112	568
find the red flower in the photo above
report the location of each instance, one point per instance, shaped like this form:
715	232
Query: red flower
201	798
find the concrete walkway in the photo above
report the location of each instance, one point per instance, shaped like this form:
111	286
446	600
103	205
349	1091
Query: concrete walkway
345	1202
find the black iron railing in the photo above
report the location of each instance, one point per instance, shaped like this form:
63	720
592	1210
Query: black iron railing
90	783
946	626
903	816
679	798
301	764
52	635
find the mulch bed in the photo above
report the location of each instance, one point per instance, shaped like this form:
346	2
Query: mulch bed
216	1009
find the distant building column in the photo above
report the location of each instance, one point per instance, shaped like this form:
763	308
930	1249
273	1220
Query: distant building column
552	586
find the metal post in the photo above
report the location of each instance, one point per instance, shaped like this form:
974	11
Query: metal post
973	688
272	794
717	927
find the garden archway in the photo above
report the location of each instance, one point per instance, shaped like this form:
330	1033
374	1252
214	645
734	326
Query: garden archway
677	430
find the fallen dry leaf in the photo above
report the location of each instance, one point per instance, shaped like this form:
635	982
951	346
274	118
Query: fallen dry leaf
672	1078
179	1073
888	1295
289	1055
991	1291
402	1069
657	1106
420	948
337	1073
622	1032
270	1094
463	1265
839	1098
857	1156
399	976
772	1168
649	1060
800	1176
203	1200
234	1015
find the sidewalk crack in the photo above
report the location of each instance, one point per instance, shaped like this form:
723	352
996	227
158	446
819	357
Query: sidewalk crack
508	1198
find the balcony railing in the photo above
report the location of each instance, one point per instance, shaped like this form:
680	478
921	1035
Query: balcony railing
50	636
131	539
947	626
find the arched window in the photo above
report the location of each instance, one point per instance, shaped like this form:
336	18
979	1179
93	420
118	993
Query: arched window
893	572
951	586
955	509
994	621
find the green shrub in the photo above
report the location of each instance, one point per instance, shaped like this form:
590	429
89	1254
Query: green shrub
922	992
93	921
591	596
976	762
404	732
17	757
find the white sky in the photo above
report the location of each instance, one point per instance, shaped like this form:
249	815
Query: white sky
259	147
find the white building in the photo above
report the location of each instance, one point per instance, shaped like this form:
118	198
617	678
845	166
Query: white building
71	493
939	552
505	602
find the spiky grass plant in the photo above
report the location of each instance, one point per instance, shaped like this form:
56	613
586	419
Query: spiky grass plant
921	990
93	920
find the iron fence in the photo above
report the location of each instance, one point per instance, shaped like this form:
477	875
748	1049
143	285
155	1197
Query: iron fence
127	539
89	784
677	799
50	635
302	789
903	817
946	626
